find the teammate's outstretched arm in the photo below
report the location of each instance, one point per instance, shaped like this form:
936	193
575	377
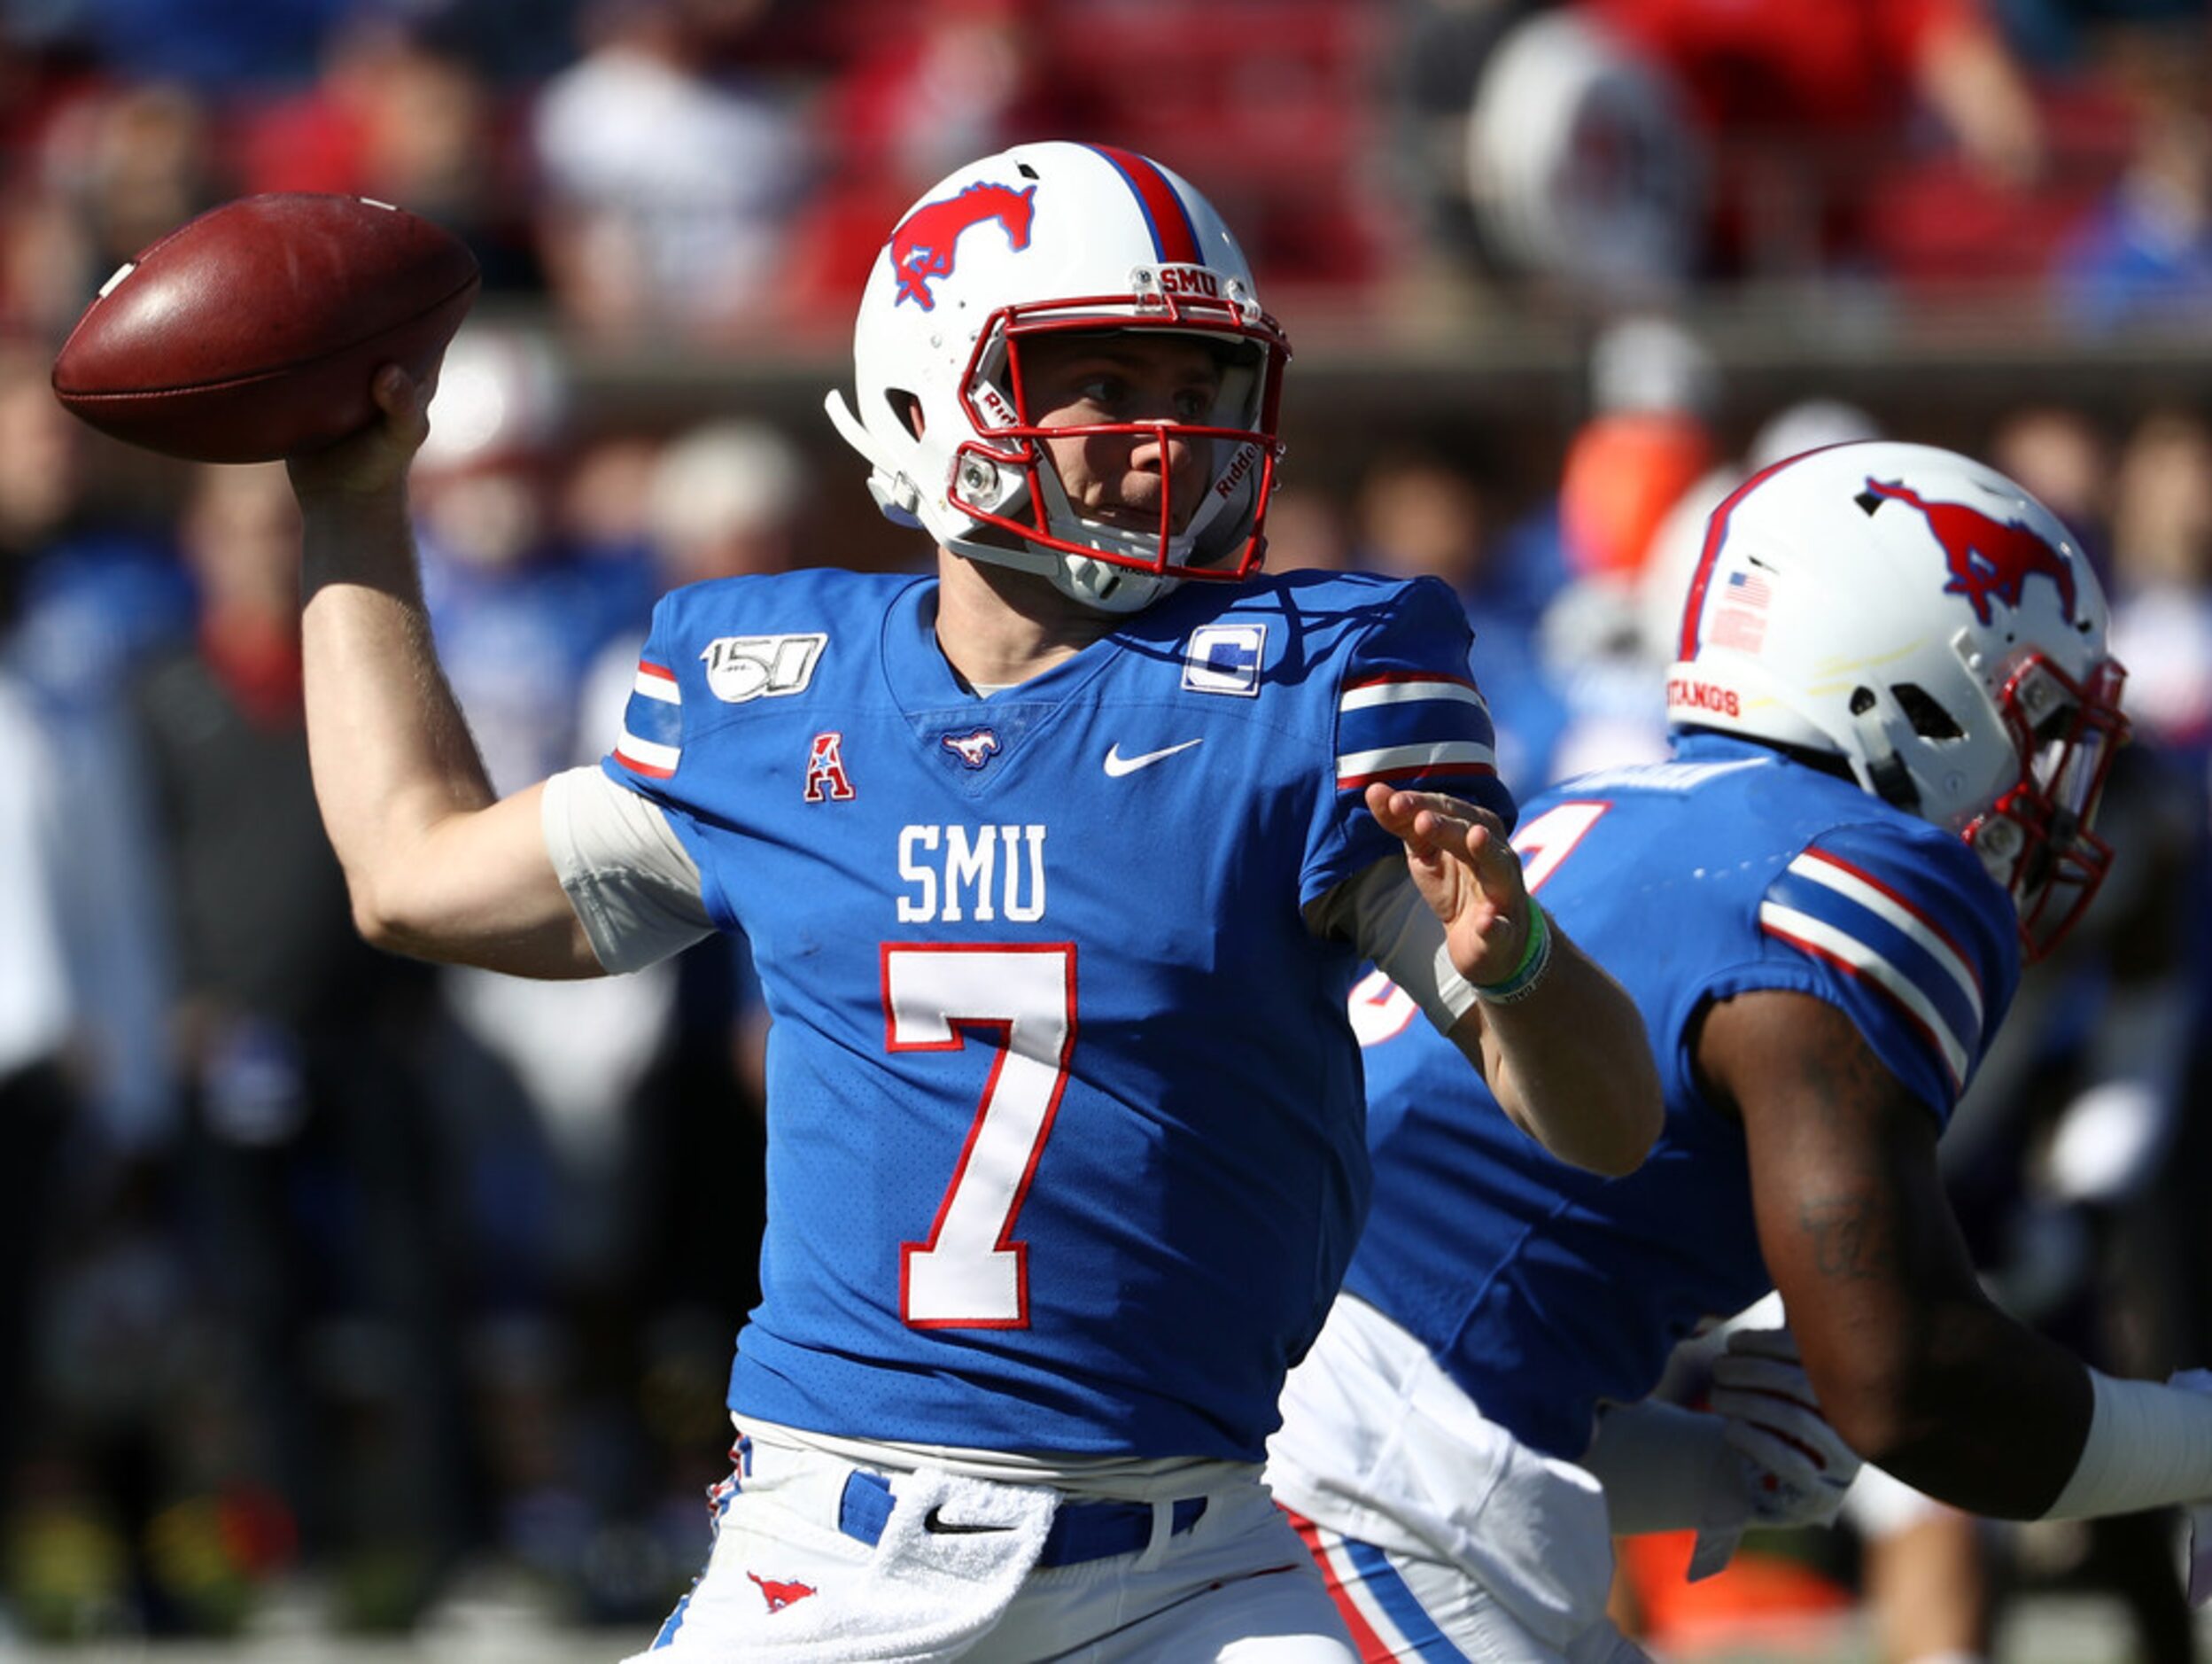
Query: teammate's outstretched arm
1913	1365
436	867
1562	1045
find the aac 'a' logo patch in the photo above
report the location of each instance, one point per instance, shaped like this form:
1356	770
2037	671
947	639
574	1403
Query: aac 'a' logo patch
826	777
1225	659
741	668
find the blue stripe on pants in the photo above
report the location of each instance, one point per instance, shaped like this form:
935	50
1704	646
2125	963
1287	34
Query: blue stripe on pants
1405	1610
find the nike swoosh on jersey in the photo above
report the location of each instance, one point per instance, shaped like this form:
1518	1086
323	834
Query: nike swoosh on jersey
1117	764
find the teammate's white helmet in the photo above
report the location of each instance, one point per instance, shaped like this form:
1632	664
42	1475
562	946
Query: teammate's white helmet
1053	238
1925	619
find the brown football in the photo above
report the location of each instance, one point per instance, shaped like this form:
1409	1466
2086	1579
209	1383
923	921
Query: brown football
252	331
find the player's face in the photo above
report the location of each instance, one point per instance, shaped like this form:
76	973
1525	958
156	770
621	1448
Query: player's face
1077	381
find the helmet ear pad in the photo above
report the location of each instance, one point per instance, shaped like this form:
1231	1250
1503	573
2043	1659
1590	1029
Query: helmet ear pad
1921	618
1045	240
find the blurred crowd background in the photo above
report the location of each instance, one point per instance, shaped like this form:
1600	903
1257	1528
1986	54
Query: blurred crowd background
336	1282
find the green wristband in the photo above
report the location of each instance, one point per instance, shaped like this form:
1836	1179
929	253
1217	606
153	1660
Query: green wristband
1535	961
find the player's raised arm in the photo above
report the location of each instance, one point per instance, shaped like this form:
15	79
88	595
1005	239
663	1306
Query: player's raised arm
436	867
1560	1043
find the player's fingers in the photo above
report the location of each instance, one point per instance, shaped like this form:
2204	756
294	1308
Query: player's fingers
1753	1373
404	400
1436	817
1411	816
1392	808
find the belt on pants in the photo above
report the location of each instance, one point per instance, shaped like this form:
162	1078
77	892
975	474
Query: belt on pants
1080	1531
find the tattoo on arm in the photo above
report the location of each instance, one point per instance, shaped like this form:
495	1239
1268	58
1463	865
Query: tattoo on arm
1851	1238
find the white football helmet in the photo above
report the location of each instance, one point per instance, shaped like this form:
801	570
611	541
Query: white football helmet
1924	619
1057	237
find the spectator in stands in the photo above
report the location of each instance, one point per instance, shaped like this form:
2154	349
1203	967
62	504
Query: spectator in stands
1586	172
1807	102
668	191
239	44
310	1184
935	82
39	1010
96	587
2146	254
1647	445
2162	559
83	593
116	166
2058	452
396	115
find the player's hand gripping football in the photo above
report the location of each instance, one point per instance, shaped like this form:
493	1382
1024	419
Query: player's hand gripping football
375	461
1467	872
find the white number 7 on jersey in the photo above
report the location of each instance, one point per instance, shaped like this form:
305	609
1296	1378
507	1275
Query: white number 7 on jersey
970	1273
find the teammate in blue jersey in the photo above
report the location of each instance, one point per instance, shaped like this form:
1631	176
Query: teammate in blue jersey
1893	713
1057	867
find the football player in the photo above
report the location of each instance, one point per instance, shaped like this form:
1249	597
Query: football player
1058	866
1892	714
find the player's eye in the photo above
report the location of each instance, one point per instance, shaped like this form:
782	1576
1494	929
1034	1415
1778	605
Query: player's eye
1104	392
1195	404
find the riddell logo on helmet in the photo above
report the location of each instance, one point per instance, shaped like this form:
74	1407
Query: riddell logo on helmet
1987	557
928	240
1685	695
1238	467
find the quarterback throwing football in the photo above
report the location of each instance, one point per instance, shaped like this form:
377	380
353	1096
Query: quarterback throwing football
1057	867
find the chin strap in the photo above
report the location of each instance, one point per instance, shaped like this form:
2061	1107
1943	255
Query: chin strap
898	496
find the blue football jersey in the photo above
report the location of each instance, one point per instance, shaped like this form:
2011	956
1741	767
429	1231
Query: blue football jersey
1066	1126
1542	1288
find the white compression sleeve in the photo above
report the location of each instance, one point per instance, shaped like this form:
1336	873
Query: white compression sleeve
630	879
2148	1445
1382	913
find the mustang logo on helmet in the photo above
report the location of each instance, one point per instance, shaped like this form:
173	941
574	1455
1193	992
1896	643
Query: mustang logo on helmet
928	240
1987	557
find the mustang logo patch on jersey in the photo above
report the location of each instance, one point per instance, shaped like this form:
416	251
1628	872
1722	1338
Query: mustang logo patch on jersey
779	1594
974	749
1225	659
741	668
